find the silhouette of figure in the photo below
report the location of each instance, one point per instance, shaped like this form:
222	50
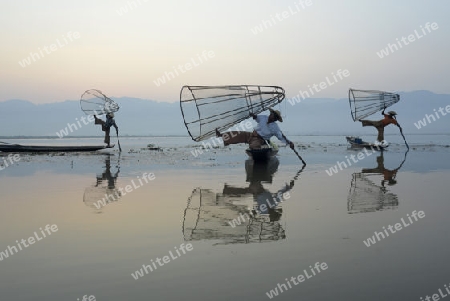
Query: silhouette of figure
366	196
106	127
388	119
238	214
107	175
389	175
265	129
266	202
104	191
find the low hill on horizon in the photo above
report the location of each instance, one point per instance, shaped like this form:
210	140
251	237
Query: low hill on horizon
139	117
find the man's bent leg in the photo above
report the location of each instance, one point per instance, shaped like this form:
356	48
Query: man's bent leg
235	137
369	123
99	121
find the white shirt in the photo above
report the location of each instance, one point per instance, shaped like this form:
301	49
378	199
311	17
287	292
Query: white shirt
267	130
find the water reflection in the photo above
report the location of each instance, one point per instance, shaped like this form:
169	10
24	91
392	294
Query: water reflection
104	190
237	214
366	196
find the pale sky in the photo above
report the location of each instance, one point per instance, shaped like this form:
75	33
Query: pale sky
96	44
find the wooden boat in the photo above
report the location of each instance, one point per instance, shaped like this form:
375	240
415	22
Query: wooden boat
358	143
261	154
17	148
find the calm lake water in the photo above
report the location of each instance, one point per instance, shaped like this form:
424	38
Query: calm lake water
116	212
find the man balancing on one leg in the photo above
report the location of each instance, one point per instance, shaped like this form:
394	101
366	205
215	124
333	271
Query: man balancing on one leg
389	118
266	128
106	126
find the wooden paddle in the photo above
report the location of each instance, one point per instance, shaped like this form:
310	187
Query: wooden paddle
304	163
118	142
401	132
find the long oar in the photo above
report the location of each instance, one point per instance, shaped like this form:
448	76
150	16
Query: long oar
118	142
304	163
401	132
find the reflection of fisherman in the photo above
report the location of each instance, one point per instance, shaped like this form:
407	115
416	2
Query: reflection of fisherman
366	196
266	128
107	175
106	125
388	175
389	118
104	191
266	201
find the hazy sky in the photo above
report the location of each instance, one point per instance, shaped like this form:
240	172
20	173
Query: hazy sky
54	50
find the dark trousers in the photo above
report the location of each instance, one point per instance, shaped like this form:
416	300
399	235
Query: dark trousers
378	125
104	129
234	137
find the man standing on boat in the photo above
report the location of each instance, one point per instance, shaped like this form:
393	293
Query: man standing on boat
106	126
388	119
265	129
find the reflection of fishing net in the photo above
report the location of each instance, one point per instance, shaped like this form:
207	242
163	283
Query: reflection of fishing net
208	214
364	103
206	108
94	102
261	229
95	197
206	217
365	196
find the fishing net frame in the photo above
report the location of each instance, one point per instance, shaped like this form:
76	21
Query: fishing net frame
207	214
364	103
205	102
99	104
365	196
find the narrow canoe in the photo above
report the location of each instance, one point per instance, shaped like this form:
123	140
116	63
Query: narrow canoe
262	154
17	148
358	143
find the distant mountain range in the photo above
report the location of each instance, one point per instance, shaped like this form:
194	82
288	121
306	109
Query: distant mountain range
139	117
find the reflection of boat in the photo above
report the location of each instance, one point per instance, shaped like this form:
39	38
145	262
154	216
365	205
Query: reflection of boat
357	142
104	191
261	154
261	172
49	148
235	214
366	196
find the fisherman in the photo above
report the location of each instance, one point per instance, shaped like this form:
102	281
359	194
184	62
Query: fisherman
389	118
266	128
106	125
